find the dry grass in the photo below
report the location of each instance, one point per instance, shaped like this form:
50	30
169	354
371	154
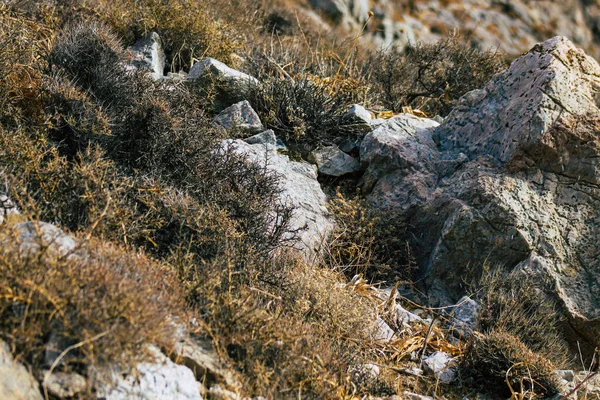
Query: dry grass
368	241
120	298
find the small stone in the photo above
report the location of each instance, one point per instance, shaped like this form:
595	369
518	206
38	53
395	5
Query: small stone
364	373
148	53
465	317
332	161
64	385
383	332
15	381
405	317
413	396
240	116
566	374
439	364
359	114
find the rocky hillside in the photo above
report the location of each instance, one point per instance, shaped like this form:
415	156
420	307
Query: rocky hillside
224	201
513	26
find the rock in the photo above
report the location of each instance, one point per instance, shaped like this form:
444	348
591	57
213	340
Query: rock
229	83
383	332
266	138
565	374
64	385
399	156
32	237
365	373
332	161
200	357
413	396
158	379
440	365
16	383
588	390
515	181
406	318
148	54
300	188
7	209
464	317
350	145
240	116
359	115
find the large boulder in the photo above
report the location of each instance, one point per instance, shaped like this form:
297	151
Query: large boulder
513	180
300	188
16	383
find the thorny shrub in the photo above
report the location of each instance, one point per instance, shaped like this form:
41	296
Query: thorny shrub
496	358
432	77
159	131
369	241
516	303
104	299
287	327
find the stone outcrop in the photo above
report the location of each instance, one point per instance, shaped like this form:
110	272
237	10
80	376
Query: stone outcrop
510	178
300	188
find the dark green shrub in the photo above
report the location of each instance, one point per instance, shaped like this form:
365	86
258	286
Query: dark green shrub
516	303
305	112
432	77
497	357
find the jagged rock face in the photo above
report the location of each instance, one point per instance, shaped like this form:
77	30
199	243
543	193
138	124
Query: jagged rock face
514	181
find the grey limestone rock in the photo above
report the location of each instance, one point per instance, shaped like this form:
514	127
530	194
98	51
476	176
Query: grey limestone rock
510	178
229	83
240	116
148	54
157	379
332	161
440	364
300	188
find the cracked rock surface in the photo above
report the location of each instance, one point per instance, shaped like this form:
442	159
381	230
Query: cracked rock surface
512	180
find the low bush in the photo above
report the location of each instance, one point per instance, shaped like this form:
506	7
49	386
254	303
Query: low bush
291	329
517	304
103	299
497	359
369	241
162	133
189	29
432	77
